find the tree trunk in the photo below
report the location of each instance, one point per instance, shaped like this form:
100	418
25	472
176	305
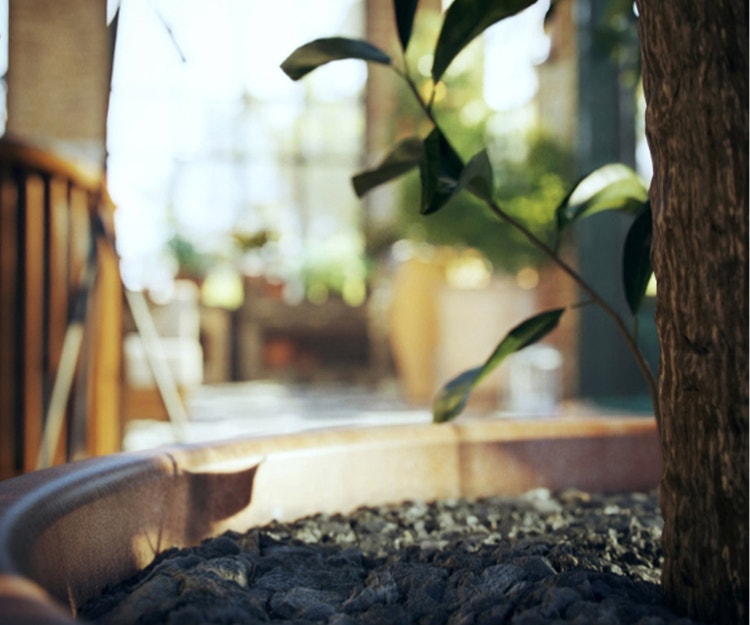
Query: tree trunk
695	75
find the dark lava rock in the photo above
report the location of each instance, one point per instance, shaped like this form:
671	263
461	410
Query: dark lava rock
529	560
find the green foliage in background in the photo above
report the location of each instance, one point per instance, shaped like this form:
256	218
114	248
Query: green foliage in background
191	262
529	189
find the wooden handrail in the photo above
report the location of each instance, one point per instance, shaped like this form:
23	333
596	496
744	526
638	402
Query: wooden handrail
14	152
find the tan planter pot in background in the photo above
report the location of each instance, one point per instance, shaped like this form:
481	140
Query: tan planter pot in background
412	327
438	329
66	532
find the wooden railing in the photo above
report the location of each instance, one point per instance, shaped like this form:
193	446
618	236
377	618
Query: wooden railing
58	268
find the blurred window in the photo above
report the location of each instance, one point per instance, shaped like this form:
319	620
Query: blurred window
207	137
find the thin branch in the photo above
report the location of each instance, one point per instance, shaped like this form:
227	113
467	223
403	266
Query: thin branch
426	107
552	256
592	293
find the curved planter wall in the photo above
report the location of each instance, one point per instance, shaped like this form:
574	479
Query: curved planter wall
124	509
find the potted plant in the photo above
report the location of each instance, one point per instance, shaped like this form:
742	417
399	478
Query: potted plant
130	507
68	531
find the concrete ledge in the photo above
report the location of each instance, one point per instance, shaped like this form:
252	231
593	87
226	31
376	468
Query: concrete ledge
127	508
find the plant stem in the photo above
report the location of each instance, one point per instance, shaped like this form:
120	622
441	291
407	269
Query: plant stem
553	256
425	106
592	293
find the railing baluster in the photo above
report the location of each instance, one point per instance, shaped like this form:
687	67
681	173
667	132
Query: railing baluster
46	245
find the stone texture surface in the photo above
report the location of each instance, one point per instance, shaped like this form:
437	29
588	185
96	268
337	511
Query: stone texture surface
538	558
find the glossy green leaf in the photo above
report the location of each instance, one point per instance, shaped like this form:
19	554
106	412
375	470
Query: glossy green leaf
403	158
312	55
612	187
453	397
465	20
636	260
404	11
478	176
440	170
524	334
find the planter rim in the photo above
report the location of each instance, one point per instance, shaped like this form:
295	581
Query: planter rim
35	508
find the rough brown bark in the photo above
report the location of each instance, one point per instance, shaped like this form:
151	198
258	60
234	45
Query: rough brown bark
695	73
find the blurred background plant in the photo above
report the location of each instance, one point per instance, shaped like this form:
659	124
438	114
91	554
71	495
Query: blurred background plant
529	188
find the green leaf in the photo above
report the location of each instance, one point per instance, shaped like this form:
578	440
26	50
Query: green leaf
453	397
636	260
478	176
612	187
312	55
466	19
440	170
404	11
403	158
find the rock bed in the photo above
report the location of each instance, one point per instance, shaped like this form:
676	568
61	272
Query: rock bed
533	559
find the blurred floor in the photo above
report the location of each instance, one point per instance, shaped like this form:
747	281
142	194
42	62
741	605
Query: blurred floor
259	408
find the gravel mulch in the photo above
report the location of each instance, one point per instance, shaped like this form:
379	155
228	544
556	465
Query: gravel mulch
539	558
